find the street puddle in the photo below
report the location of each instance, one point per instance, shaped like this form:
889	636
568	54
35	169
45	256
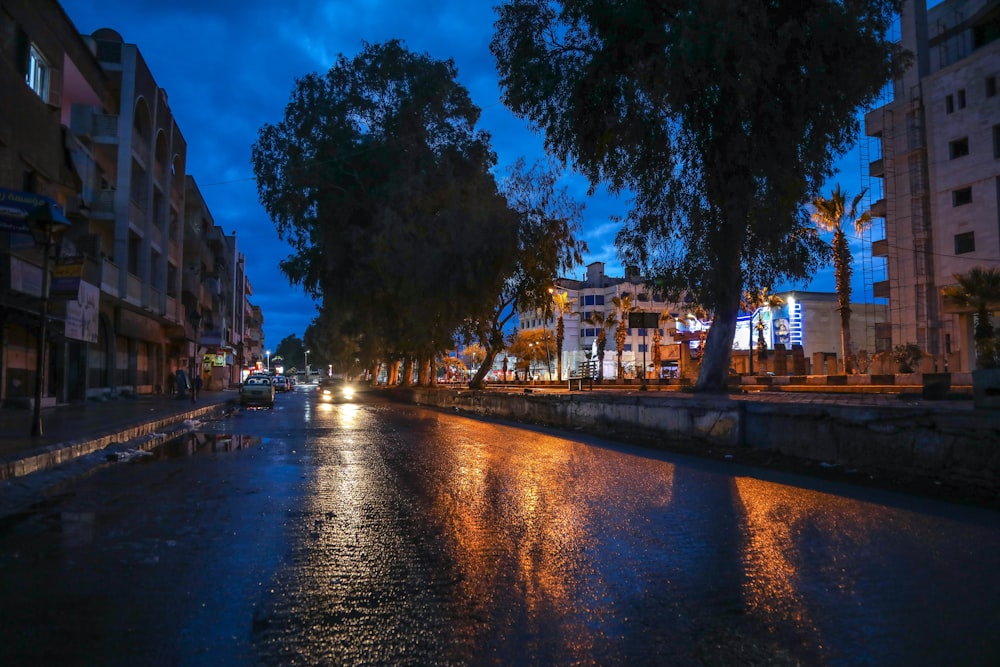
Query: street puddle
202	443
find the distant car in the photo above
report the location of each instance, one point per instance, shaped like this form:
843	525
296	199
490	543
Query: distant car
280	383
332	390
257	390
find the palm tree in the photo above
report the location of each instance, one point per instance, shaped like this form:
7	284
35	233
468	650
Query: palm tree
623	306
604	322
831	215
562	303
753	301
979	288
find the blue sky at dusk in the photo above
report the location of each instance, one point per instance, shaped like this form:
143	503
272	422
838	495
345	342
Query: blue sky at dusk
229	67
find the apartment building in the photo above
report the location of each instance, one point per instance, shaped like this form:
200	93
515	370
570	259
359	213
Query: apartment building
937	168
143	281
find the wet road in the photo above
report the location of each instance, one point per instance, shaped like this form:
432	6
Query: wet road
379	534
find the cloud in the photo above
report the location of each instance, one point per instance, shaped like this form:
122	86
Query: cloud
229	67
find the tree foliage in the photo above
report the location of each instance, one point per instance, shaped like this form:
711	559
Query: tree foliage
979	289
382	185
546	244
832	214
722	118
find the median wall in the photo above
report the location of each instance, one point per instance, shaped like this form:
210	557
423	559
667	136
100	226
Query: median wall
934	441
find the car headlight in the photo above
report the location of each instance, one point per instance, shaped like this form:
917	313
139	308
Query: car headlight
348	392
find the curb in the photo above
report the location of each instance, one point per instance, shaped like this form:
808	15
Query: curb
53	455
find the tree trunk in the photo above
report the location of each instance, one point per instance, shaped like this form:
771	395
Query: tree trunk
845	338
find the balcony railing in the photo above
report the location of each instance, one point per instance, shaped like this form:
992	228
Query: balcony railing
109	278
880	248
134	294
105	127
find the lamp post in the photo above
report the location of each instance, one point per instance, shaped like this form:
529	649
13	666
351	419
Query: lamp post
268	353
307	365
47	224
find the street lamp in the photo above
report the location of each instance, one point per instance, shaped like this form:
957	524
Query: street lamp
47	224
307	365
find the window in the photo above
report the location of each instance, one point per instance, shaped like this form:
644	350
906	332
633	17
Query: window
961	98
949	103
991	86
643	347
599	300
588	300
965	242
587	314
961	197
642	332
627	347
958	148
37	77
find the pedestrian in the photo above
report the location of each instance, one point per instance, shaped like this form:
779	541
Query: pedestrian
181	383
171	383
195	387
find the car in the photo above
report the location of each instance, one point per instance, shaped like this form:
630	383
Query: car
257	390
335	390
280	383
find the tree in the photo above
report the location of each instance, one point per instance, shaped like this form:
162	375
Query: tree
979	289
832	215
562	304
721	118
753	301
290	347
604	322
375	176
547	222
623	306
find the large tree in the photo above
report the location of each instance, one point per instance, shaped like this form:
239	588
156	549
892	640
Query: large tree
376	176
721	117
832	215
546	245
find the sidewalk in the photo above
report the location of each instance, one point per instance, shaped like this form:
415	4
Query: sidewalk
70	431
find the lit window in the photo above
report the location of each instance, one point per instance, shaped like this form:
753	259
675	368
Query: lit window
961	197
38	73
965	243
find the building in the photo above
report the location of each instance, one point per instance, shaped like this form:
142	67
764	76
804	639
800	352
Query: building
143	281
809	320
937	173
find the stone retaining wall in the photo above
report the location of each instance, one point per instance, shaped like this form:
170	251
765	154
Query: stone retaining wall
959	447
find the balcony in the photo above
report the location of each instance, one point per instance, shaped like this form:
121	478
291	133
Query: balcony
134	293
880	290
878	209
109	278
876	168
880	248
104	128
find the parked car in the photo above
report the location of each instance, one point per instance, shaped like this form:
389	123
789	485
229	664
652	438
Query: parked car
257	390
280	383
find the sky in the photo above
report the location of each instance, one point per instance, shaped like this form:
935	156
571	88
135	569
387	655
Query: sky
229	67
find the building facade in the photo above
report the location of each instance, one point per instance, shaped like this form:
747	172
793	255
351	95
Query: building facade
937	172
808	320
143	281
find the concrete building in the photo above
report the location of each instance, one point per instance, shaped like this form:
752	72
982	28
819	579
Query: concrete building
936	175
143	281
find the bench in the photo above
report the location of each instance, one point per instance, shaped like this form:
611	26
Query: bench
584	373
